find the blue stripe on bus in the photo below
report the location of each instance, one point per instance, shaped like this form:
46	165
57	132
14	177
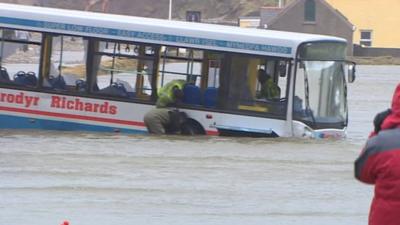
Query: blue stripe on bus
147	35
16	122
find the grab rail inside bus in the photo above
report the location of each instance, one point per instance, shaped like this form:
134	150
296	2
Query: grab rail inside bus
57	82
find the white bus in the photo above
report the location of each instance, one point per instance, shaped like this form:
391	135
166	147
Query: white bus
75	70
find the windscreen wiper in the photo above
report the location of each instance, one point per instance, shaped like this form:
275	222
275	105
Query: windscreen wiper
306	86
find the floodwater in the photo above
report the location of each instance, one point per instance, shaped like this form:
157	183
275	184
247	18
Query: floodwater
109	179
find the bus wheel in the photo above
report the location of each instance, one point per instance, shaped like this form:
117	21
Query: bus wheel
192	127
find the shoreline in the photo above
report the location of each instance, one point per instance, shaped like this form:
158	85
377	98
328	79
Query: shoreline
376	61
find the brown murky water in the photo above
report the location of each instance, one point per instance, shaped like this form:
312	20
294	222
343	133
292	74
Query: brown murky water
86	178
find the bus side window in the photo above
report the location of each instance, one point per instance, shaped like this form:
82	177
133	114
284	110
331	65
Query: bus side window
268	77
19	61
214	67
210	95
183	64
124	70
255	85
66	60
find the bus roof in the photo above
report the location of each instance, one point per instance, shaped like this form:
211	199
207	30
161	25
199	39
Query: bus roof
156	31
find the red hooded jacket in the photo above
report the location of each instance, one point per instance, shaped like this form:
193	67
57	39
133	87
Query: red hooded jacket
379	164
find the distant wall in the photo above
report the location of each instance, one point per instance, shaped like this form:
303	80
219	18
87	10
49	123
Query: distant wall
375	52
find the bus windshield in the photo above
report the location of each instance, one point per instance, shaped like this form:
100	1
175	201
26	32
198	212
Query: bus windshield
321	93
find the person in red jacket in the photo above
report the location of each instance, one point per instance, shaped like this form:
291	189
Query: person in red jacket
379	165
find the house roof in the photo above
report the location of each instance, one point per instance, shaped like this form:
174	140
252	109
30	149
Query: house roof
253	14
269	13
292	4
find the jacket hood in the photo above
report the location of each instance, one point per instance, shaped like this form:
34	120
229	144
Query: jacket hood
393	119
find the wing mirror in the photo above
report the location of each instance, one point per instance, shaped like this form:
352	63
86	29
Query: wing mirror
351	72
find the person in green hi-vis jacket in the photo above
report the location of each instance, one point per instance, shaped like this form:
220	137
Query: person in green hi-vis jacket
159	118
269	90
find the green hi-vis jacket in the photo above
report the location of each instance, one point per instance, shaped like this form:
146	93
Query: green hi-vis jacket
165	94
269	90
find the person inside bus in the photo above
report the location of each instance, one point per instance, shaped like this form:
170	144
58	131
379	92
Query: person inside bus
269	90
159	118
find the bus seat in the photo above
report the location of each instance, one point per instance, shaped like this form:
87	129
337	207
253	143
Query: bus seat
191	94
126	84
70	79
57	83
95	87
4	77
130	91
131	94
210	97
25	79
80	85
115	90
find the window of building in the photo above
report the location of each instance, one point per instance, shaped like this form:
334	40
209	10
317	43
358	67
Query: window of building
309	11
366	38
19	59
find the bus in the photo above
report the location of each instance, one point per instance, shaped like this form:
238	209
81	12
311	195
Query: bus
82	71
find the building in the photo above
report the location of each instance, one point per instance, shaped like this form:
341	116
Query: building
309	16
376	21
251	20
268	14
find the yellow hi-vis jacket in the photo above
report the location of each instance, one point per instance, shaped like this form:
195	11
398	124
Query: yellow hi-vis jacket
166	94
